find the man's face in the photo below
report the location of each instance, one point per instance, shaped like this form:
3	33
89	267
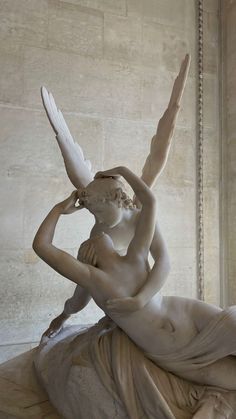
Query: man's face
99	198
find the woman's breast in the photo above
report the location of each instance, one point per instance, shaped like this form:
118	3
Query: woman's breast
125	280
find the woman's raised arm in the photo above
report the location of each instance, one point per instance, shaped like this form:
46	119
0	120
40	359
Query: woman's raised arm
60	261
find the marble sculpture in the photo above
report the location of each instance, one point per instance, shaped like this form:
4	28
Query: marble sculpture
151	356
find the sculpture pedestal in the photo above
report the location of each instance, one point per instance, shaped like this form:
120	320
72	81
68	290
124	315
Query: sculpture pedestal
99	373
75	386
21	396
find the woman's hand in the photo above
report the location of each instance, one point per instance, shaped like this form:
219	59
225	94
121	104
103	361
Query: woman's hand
124	305
116	172
68	206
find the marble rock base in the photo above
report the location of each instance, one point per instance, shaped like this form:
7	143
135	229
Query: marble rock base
21	396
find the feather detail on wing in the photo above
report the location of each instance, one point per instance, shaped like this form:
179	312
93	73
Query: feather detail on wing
77	167
161	142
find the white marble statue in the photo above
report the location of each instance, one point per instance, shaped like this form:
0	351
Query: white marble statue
153	356
119	224
127	291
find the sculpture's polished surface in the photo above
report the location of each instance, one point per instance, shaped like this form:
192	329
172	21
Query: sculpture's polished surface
21	395
173	331
143	330
101	373
121	227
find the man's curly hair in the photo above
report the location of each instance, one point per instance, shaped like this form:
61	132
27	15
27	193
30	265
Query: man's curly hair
114	192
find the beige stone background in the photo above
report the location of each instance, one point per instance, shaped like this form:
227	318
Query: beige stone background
110	65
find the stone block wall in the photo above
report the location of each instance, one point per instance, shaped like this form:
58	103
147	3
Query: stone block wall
110	65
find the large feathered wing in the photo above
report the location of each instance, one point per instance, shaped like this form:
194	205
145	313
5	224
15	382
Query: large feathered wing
161	142
77	167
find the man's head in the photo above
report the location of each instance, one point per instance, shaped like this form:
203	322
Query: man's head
106	200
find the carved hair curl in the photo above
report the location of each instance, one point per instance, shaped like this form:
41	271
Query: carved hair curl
114	194
123	199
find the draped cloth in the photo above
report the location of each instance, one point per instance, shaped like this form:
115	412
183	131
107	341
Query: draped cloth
98	372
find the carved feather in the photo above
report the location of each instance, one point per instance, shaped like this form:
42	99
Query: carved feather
77	167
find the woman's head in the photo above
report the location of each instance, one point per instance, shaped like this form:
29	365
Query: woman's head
106	200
